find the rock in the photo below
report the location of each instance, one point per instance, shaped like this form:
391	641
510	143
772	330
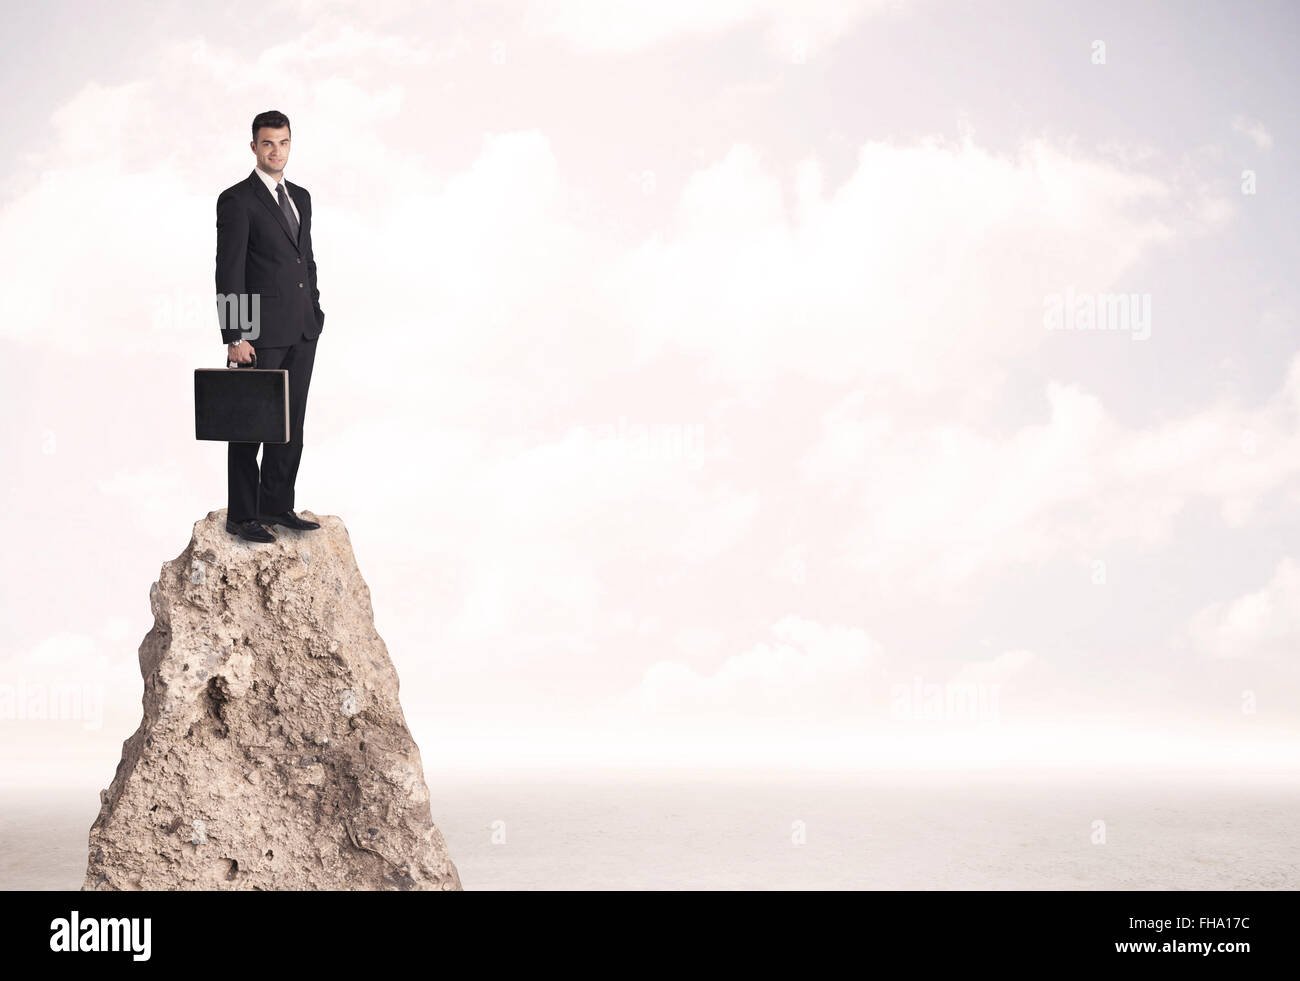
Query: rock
273	753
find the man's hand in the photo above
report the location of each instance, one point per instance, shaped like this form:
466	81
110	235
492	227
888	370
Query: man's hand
240	353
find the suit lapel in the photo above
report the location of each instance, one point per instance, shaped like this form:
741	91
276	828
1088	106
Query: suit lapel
272	205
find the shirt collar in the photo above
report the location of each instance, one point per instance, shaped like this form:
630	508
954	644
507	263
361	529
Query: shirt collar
269	181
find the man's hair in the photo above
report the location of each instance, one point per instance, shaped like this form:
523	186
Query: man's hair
272	118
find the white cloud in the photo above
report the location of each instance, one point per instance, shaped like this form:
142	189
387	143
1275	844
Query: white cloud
68	655
1002	668
146	488
486	309
1253	128
927	266
808	669
508	315
1263	625
791	31
935	504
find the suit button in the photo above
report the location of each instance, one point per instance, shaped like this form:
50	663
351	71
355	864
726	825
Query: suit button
300	260
300	286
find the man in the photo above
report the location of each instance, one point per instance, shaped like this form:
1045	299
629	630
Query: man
264	248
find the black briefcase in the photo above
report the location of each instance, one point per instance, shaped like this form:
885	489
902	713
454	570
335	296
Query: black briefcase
241	404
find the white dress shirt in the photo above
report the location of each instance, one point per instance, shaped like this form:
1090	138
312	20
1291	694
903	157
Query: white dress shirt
270	183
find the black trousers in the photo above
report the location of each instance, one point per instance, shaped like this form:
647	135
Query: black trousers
251	494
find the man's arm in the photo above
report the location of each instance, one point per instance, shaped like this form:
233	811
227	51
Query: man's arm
315	293
232	252
311	269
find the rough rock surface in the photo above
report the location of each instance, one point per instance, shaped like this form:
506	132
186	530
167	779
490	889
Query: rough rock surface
273	753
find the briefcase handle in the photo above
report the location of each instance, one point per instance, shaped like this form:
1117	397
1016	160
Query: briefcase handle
245	364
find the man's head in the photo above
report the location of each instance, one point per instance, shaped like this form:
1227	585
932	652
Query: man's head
271	142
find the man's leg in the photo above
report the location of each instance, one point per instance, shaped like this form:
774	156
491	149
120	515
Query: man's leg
241	458
241	481
280	460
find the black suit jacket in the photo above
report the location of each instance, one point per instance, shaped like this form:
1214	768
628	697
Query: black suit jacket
256	253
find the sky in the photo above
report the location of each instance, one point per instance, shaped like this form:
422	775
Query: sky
702	383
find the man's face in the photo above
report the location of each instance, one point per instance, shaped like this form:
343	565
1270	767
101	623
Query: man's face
272	149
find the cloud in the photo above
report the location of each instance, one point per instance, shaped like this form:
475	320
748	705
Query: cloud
926	267
934	504
839	332
143	206
806	669
1259	626
1254	129
523	333
148	487
791	31
69	655
999	669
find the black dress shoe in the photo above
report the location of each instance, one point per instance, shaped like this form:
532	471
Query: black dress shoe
289	520
249	531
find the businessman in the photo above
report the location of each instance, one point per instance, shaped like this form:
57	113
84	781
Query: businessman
264	248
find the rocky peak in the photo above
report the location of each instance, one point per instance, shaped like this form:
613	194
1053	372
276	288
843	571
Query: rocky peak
273	752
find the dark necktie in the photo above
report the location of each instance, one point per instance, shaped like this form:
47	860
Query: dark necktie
287	208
